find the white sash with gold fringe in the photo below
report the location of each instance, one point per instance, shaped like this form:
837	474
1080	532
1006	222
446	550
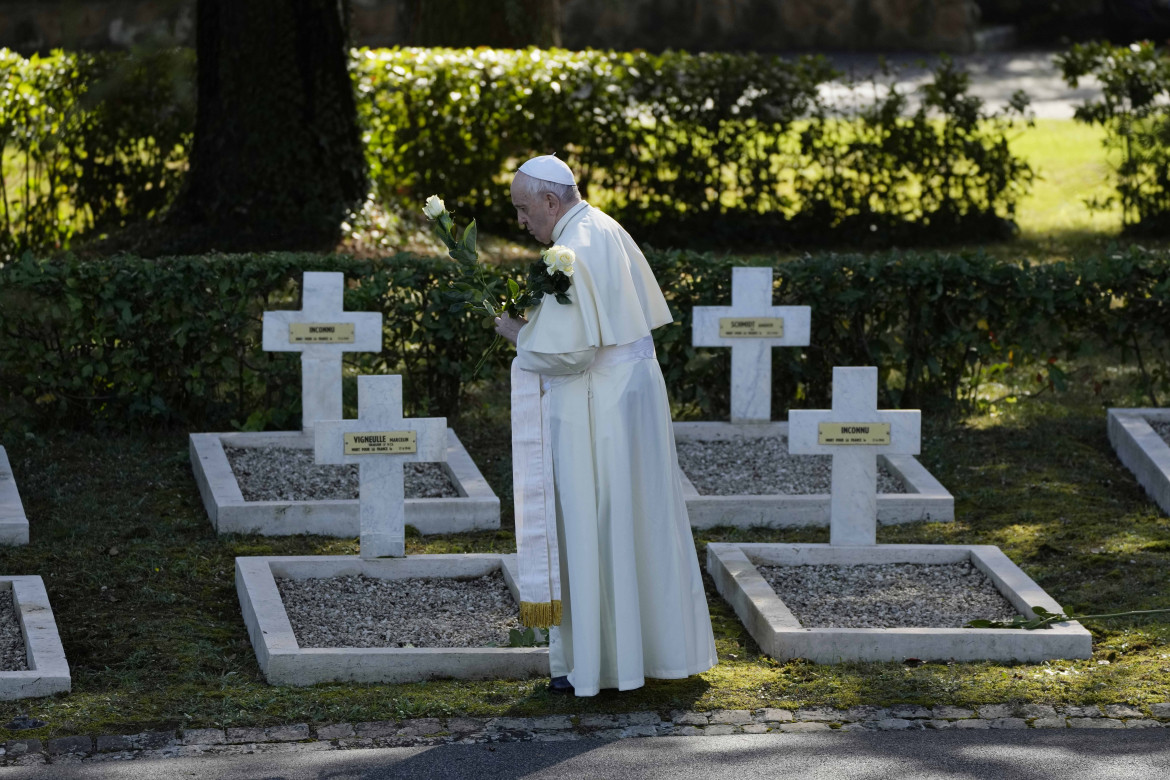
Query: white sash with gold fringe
536	512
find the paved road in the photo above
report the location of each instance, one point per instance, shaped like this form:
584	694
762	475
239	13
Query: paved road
994	77
1002	755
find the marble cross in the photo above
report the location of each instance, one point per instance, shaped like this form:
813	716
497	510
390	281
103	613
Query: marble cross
751	326
321	331
381	442
854	432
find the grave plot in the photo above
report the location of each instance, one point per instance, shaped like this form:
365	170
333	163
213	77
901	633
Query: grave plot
915	493
473	507
728	476
884	602
782	634
285	661
315	499
13	521
369	630
32	660
1139	436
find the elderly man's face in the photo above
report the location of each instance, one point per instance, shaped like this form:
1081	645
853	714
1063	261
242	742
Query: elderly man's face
536	214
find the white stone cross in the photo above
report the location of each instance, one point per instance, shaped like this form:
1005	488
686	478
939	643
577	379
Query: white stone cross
751	326
381	442
854	433
321	331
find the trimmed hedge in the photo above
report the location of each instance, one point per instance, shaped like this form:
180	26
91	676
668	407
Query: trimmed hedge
715	150
710	150
1134	110
177	341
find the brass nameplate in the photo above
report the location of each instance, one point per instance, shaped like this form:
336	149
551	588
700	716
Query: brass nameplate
381	443
751	327
320	333
853	433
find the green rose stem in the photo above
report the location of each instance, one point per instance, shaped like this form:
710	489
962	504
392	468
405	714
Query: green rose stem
550	275
1044	618
464	251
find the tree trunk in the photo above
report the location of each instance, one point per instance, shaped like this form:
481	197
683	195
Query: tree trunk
277	160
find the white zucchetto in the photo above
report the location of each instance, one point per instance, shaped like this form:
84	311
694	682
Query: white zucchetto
548	168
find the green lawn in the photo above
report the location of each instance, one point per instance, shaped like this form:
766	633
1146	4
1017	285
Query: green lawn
1071	165
144	595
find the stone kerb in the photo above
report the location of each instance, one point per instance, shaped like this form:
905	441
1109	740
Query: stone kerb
13	521
48	672
476	508
1142	450
781	636
284	662
925	497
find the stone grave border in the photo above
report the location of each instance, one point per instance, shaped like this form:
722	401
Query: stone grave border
780	635
1142	450
13	520
476	508
48	672
927	499
284	662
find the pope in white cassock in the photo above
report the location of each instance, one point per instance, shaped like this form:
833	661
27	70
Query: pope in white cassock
631	593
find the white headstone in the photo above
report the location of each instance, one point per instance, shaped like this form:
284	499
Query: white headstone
751	326
381	442
321	331
854	432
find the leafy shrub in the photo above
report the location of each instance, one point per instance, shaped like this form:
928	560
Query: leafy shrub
708	149
935	325
177	341
1132	315
889	172
1134	110
90	142
687	150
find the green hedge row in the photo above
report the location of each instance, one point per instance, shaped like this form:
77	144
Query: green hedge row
1134	110
688	150
177	341
90	142
711	150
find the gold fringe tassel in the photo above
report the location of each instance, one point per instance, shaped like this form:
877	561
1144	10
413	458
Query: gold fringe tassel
540	614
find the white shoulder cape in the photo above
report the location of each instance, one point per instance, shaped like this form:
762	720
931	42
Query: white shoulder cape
614	296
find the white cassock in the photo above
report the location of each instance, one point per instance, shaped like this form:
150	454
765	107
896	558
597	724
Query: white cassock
632	596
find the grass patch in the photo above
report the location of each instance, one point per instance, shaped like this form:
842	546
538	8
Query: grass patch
145	600
1072	166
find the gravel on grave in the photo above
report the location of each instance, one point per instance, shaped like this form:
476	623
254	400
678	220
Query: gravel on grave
1161	427
761	467
290	474
12	650
360	611
897	595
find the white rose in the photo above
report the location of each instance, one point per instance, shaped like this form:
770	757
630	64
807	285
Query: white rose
434	207
559	258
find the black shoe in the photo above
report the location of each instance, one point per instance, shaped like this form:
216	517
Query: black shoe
560	685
